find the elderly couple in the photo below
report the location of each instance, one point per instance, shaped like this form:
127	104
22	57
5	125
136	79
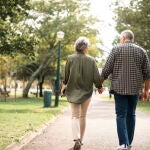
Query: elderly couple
129	67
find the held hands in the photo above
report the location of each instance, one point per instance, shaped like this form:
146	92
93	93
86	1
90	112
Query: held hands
100	91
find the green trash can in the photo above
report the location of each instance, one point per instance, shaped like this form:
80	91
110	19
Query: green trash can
47	98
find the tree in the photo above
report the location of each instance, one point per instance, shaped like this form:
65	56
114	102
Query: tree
66	15
25	71
136	17
11	8
14	32
5	68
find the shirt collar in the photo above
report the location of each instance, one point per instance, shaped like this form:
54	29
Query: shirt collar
80	52
128	42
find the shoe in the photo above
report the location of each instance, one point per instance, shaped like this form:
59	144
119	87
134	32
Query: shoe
80	142
129	146
77	145
123	147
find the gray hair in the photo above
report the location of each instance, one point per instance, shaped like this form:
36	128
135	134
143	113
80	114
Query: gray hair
128	34
81	43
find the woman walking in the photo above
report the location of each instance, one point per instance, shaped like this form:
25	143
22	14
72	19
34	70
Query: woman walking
80	74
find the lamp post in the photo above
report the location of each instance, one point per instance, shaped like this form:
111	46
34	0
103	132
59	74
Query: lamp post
60	36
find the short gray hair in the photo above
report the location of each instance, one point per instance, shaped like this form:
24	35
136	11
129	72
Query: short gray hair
81	43
128	34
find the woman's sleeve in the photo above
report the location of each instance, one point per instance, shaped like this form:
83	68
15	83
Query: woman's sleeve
66	72
97	77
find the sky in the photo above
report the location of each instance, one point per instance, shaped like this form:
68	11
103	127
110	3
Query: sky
102	10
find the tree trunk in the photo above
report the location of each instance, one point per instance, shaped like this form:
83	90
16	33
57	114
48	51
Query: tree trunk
43	65
41	88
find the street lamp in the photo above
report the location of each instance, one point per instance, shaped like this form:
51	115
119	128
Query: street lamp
60	36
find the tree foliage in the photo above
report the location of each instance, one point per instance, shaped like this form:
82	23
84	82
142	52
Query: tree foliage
30	28
11	8
135	16
68	16
14	33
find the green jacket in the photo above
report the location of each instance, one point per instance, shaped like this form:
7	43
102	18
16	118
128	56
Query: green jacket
80	73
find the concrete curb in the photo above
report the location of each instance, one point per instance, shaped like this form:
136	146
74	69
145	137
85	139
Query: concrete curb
24	140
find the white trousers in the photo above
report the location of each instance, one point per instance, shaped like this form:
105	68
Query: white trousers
79	119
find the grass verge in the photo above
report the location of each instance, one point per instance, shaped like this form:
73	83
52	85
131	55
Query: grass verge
143	106
19	117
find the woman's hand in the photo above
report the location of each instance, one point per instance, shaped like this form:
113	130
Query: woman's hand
63	90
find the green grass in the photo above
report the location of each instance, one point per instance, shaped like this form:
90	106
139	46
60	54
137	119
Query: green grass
19	117
143	106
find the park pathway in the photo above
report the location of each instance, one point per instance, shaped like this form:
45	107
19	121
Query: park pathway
100	131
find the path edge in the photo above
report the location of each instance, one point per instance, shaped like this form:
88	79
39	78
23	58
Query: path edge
27	138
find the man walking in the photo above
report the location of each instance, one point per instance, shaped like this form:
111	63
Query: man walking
129	67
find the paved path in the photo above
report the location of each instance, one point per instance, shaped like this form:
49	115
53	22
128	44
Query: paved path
100	132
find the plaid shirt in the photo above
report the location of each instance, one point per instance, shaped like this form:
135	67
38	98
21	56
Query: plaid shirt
129	67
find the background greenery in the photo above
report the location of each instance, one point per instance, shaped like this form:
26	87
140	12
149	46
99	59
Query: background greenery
135	16
28	28
28	51
143	106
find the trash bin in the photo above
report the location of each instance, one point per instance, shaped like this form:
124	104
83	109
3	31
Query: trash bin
47	98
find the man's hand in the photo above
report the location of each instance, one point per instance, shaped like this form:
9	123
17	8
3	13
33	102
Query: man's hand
145	95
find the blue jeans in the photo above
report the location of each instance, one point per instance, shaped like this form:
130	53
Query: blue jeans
125	106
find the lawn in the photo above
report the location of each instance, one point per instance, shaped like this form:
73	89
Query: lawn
143	106
24	115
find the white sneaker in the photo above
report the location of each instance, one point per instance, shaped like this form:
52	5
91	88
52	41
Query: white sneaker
123	147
